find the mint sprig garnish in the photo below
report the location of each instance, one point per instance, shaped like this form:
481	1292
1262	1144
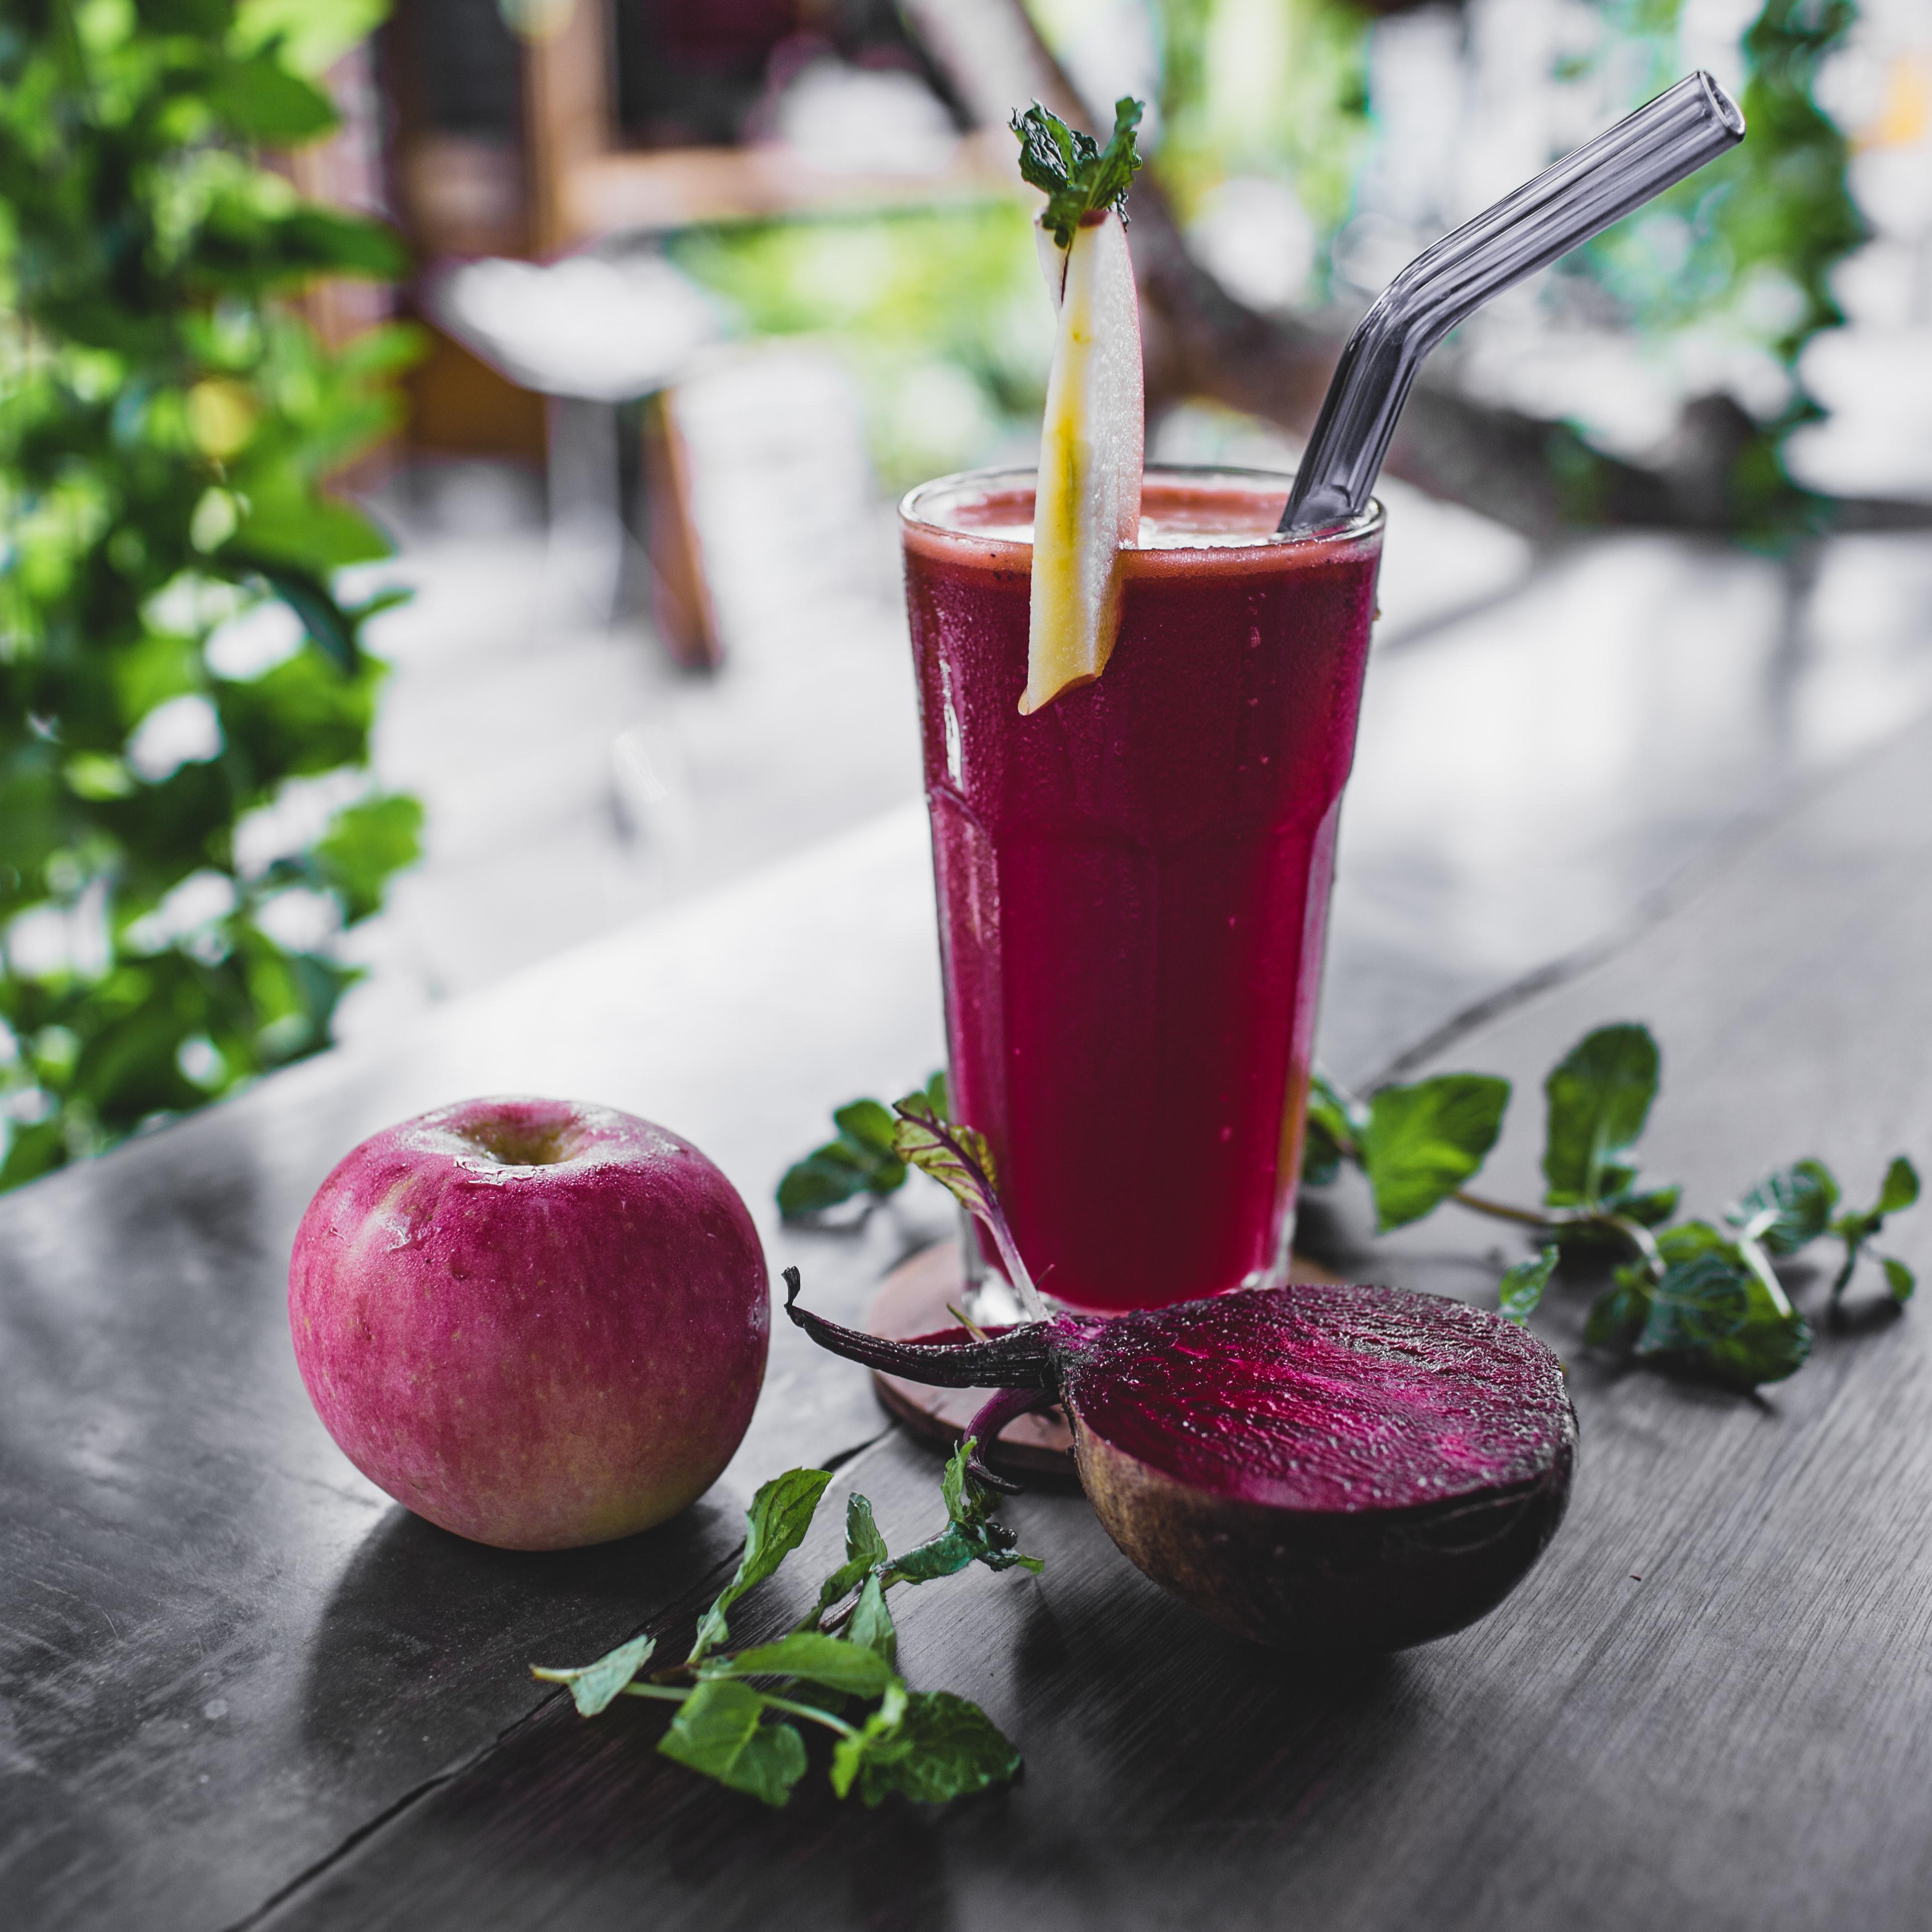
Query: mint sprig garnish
1078	177
733	1725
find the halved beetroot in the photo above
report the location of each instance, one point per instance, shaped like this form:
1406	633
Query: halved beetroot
1330	1467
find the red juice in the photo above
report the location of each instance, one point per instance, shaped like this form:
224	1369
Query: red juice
1133	881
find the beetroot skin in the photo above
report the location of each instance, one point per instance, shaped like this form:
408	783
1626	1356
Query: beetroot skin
1334	1468
537	1324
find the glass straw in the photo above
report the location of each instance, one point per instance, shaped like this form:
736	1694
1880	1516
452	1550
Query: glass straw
1623	168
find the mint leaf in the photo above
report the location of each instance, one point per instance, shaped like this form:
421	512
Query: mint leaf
1333	1126
863	1543
848	1755
860	1161
831	1661
972	1535
866	1123
1521	1289
719	1730
1077	175
1793	1207
872	1624
1617	1316
1647	1206
1689	1239
1898	1190
1901	1188
1898	1278
1422	1142
865	1551
1711	1313
774	1526
826	1177
942	1748
592	1686
1697	1304
1599	1097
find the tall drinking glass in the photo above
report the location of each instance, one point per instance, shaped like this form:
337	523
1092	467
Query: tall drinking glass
1133	881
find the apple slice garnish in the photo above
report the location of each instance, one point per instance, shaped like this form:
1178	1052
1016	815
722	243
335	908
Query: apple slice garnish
1087	507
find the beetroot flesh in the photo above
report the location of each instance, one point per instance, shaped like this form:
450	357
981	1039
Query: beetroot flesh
1323	1468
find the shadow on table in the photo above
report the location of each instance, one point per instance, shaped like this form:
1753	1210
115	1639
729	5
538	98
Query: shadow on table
427	1631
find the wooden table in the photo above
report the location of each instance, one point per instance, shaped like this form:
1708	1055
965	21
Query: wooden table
240	1688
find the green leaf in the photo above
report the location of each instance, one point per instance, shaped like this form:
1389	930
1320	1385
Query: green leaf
867	1124
827	1178
848	1755
719	1730
1647	1207
594	1685
865	1551
939	1095
972	1535
330	627
1898	1278
1600	1095
942	1748
1321	1158
1422	1142
1335	1126
1077	175
1689	1239
1522	1288
955	1157
1617	1316
774	1526
863	1542
966	1500
261	99
832	1661
1697	1304
366	845
860	1161
1901	1188
1713	1314
872	1624
1793	1207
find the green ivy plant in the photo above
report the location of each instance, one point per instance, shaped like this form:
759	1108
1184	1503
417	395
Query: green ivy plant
167	423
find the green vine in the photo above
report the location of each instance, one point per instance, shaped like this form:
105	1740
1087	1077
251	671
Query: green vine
166	423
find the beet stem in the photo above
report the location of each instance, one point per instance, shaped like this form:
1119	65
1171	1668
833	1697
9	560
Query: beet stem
1020	1358
1002	1407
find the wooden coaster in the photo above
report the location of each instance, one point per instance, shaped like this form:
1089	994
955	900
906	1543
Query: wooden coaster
913	1299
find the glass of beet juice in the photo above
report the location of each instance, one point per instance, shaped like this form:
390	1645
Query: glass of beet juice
1133	880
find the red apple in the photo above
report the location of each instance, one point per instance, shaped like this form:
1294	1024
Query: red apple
537	1323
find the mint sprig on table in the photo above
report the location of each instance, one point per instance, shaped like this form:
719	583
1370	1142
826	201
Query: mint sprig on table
1691	1294
861	1159
1696	1295
1078	176
838	1666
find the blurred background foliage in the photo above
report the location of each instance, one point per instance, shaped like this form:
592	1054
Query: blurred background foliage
937	315
185	813
1312	147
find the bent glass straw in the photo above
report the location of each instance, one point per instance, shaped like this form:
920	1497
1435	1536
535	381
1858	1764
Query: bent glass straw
1623	168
